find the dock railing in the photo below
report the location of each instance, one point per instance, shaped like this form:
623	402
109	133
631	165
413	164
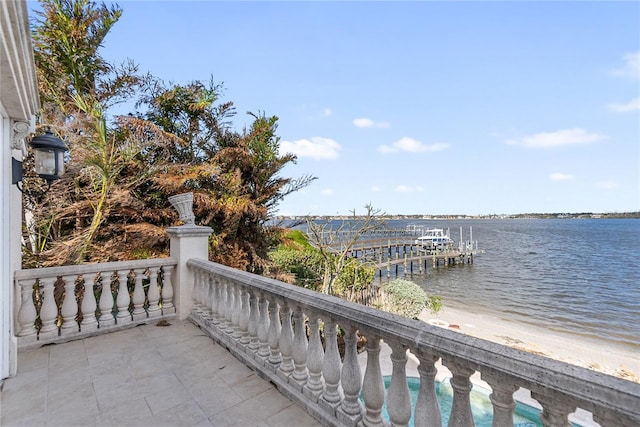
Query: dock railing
275	328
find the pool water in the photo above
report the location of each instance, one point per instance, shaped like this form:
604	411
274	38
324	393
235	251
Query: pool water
524	415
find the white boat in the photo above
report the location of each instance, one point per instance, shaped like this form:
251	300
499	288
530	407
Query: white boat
433	238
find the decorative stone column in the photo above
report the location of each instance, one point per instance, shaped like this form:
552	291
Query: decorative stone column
187	241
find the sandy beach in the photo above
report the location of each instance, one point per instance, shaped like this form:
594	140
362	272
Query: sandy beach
570	348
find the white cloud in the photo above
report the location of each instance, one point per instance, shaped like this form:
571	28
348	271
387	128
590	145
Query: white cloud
557	138
558	176
316	148
632	105
368	123
327	192
375	188
412	146
327	112
409	189
631	67
607	185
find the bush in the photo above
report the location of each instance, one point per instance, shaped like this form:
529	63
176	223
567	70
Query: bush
354	277
306	265
405	298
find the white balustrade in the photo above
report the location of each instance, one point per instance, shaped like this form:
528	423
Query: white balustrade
315	355
89	305
27	313
299	348
69	308
123	299
245	312
49	309
334	390
427	413
398	400
263	327
275	329
153	294
167	291
461	415
106	301
59	320
286	343
373	385
331	367
253	317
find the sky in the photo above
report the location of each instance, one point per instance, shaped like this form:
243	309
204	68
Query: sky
426	107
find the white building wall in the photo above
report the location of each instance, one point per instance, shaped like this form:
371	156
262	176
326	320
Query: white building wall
18	106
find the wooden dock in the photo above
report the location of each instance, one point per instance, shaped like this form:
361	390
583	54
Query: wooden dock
395	252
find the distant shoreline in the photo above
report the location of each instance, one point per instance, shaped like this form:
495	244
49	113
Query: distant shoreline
582	215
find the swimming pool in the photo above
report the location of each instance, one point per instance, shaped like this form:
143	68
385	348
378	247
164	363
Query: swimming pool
524	415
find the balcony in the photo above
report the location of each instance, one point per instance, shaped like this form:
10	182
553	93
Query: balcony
264	352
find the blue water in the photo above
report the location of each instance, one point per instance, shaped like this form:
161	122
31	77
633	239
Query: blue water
524	415
580	276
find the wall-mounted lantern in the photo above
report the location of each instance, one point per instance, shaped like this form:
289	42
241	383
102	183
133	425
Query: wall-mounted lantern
48	156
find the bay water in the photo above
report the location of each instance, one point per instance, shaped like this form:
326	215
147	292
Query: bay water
578	276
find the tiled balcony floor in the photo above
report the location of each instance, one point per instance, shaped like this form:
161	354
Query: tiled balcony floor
146	376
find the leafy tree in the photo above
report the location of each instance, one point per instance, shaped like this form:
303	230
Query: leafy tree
112	203
235	176
77	86
336	245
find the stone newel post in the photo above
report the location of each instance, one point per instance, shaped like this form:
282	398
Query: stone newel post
187	241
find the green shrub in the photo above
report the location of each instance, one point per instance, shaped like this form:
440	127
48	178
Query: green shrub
405	298
354	276
434	304
306	265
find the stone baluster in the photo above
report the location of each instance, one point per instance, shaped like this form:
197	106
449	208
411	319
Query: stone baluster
138	296
461	415
123	299
273	337
49	309
427	408
196	307
286	342
245	312
254	344
373	385
27	312
331	366
299	349
153	294
167	290
210	303
315	355
502	389
214	282
69	307
555	408
106	301
89	305
398	399
228	311
222	305
263	327
350	411
237	313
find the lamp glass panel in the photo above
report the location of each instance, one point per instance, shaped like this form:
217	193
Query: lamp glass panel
60	155
45	162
